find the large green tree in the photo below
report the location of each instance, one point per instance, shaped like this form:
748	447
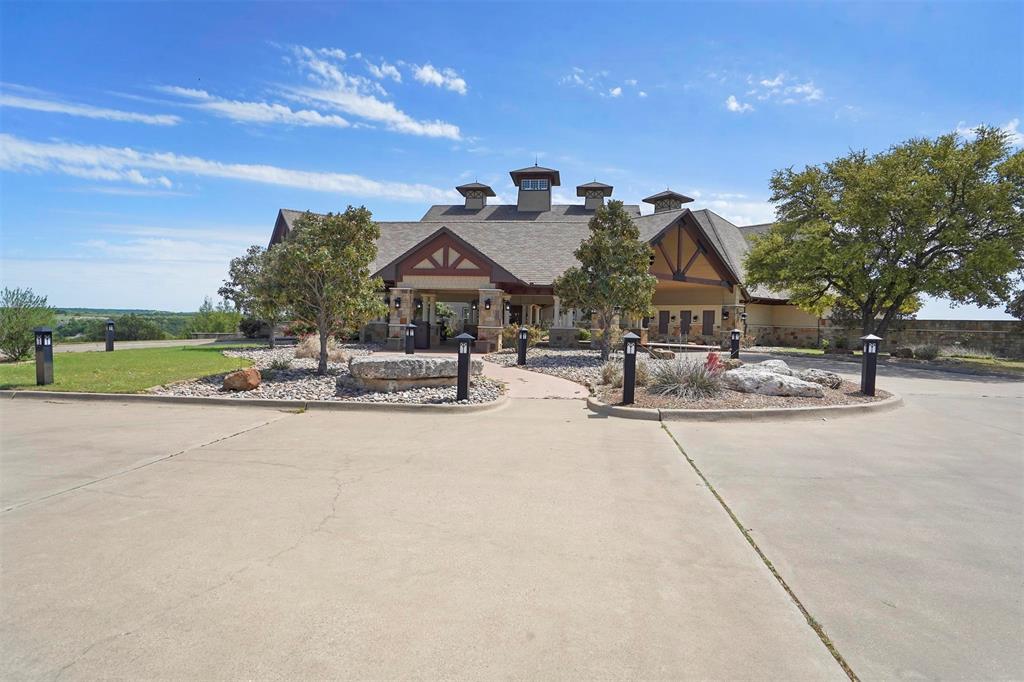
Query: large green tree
942	217
21	311
323	266
253	285
613	276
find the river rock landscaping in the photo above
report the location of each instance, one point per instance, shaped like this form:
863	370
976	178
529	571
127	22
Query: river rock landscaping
285	377
812	387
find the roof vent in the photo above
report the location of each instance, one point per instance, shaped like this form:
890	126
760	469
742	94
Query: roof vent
594	194
535	183
476	194
667	201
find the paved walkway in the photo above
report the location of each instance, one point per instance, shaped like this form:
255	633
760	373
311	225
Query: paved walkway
125	345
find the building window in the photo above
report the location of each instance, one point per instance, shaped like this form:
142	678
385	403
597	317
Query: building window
541	184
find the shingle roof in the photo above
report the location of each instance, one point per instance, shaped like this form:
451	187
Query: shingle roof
559	213
462	189
667	194
556	179
538	247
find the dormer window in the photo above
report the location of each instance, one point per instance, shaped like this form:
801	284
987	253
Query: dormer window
535	184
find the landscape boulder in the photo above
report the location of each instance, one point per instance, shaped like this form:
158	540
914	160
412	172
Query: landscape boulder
242	380
774	366
398	373
732	363
820	376
751	379
903	352
662	354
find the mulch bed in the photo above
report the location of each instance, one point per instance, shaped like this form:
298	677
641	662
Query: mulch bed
847	394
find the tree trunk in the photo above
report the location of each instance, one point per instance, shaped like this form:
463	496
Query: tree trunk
322	366
606	334
272	339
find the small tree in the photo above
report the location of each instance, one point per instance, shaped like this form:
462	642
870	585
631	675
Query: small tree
253	287
324	268
613	277
940	217
21	311
220	318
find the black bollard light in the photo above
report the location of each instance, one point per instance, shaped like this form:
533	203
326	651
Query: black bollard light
410	338
629	341
44	356
524	334
110	335
465	350
734	344
869	363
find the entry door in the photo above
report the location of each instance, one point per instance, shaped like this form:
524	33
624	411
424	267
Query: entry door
684	322
663	322
709	323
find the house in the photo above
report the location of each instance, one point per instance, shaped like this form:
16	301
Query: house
494	266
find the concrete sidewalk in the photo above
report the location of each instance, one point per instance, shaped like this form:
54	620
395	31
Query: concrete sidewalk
535	541
91	346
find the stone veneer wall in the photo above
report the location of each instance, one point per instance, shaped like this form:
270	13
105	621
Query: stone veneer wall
1004	338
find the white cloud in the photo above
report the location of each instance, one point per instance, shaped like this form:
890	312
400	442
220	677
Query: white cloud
255	112
383	71
334	53
734	105
334	88
784	89
599	82
125	164
84	110
1011	128
445	78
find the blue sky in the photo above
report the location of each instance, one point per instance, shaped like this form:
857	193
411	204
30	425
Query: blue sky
145	144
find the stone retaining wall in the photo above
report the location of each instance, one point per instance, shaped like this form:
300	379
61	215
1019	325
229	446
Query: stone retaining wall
1004	338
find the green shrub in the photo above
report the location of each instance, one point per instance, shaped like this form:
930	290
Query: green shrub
280	363
510	336
21	311
583	335
611	374
926	352
684	378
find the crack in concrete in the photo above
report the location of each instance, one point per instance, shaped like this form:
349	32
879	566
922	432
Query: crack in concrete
745	532
116	474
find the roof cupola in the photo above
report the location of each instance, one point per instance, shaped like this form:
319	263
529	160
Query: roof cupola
667	201
535	183
593	194
476	194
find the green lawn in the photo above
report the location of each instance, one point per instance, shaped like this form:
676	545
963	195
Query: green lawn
123	371
992	364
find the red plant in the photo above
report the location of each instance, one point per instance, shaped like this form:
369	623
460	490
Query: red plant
713	363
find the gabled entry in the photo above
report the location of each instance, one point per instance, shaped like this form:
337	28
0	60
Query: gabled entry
445	254
683	253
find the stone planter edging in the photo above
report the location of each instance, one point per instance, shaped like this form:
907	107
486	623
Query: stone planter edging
766	414
328	405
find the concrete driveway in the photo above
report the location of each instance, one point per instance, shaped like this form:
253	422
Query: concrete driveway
902	533
534	541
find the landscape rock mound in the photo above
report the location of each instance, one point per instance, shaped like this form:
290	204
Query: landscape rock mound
757	379
383	373
243	380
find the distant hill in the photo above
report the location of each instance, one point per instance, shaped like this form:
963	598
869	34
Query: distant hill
113	312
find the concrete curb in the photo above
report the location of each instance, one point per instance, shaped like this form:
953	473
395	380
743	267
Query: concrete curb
326	405
764	414
646	413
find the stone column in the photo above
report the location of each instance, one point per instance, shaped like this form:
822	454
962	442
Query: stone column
490	321
400	316
562	333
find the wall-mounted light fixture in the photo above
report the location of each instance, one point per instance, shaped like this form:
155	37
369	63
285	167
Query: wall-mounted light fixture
474	305
487	304
398	302
419	304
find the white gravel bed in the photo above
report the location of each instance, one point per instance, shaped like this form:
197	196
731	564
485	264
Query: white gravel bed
301	382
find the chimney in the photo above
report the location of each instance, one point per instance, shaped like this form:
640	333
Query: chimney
535	183
476	194
667	201
594	194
